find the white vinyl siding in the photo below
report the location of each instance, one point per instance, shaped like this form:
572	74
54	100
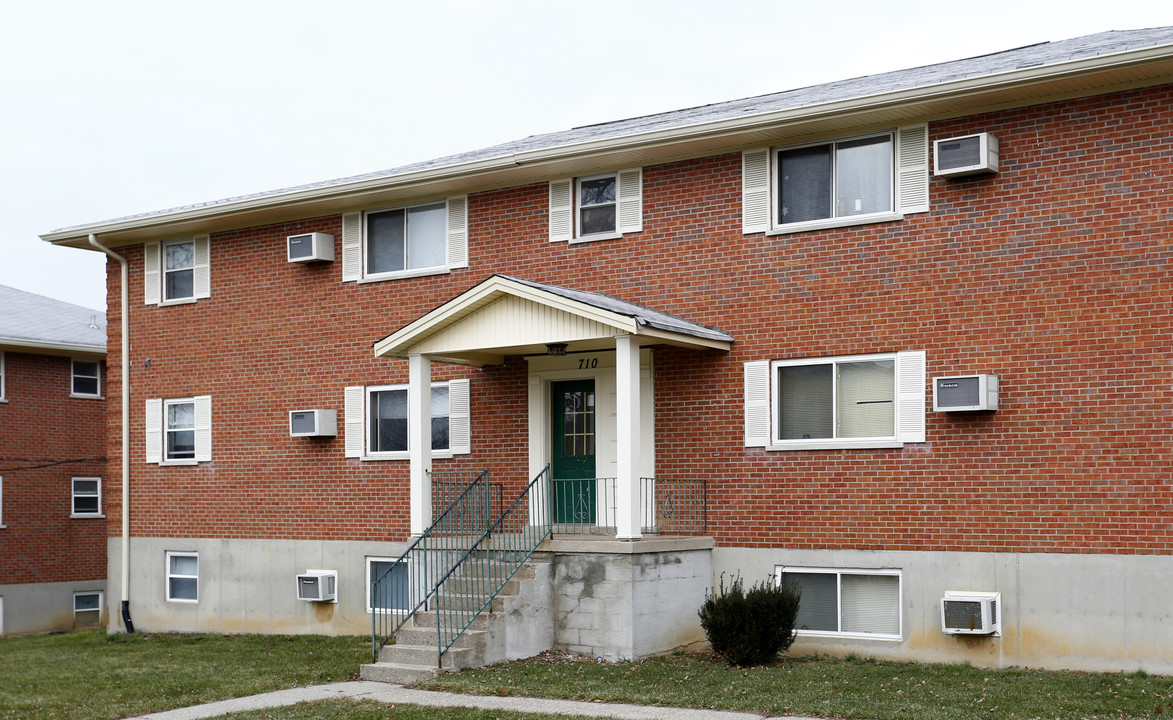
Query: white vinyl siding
596	207
367	440
173	426
864	401
424	244
190	279
836	183
852	602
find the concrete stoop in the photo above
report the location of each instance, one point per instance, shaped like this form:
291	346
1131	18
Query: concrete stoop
517	624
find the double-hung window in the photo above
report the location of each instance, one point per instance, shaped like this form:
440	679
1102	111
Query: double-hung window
410	241
183	577
179	430
377	420
86	379
176	271
847	601
596	207
869	178
861	401
87	497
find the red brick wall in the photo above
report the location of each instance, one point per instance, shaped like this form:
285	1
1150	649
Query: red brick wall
46	439
1053	274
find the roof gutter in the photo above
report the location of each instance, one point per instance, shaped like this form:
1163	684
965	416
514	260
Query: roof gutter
52	347
727	127
125	367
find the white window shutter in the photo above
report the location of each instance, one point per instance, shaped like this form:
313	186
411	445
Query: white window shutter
910	396
561	210
757	403
354	420
351	246
755	191
152	284
458	231
459	425
202	270
912	174
203	428
153	422
630	200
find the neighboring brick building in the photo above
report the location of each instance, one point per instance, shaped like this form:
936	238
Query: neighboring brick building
803	279
52	464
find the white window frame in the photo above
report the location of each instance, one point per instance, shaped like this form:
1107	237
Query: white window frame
168	430
839	573
892	213
3	398
154	280
370	561
169	576
403	454
73	511
762	403
101	602
357	411
155	430
74	375
406	272
565	206
355	241
163	270
910	183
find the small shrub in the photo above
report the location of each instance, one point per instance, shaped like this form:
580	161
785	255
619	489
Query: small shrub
751	628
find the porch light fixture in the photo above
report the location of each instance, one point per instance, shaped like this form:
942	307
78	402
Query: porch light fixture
556	349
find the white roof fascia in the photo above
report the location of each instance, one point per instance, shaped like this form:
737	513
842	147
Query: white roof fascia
960	88
19	344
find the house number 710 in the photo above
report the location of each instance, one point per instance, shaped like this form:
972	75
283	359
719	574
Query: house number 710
585	363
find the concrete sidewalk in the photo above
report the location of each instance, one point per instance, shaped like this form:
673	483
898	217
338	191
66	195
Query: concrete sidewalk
383	692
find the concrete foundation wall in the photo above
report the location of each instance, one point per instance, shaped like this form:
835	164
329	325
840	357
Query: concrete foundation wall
1085	612
30	608
628	600
247	586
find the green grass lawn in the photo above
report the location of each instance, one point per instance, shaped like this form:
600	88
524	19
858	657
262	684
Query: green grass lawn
89	675
842	688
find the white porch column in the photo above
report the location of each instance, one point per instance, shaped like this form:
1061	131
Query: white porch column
419	439
627	431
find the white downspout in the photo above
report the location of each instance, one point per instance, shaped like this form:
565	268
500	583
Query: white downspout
123	361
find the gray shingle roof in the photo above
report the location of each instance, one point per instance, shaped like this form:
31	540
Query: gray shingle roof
1042	54
26	318
642	315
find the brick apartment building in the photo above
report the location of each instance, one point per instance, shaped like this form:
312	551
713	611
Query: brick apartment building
786	298
52	464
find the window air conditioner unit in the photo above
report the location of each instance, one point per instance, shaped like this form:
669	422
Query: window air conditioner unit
971	613
965	393
310	247
313	423
968	155
317	586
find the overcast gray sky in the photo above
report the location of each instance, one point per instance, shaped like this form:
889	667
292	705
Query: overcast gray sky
119	107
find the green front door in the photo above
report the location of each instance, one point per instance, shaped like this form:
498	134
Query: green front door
572	462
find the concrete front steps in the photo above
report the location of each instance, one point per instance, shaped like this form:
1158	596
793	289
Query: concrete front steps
518	624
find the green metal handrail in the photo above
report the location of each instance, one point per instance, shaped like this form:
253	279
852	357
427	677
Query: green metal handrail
410	582
460	562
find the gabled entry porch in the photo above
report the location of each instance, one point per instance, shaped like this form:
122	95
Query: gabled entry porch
590	390
591	455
